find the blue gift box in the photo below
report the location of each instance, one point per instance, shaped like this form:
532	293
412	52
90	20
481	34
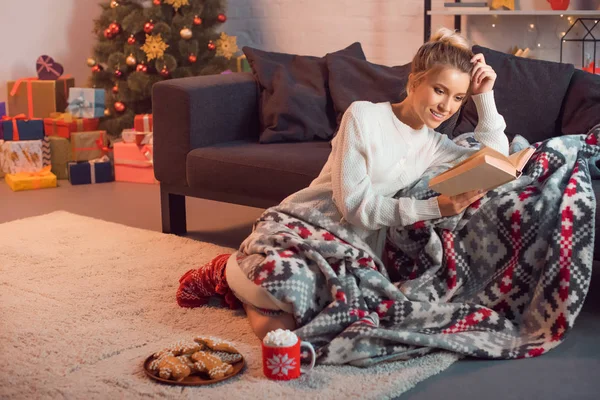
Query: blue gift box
87	172
86	103
2	109
28	129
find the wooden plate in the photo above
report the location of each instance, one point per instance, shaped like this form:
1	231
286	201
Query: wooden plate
195	379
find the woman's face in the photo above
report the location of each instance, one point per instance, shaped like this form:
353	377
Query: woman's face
439	95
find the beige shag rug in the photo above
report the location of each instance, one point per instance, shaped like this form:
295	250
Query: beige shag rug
83	302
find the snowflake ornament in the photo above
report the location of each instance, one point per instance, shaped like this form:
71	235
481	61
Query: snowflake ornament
280	365
226	45
177	4
154	47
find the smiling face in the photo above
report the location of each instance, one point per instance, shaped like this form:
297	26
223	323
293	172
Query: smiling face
439	95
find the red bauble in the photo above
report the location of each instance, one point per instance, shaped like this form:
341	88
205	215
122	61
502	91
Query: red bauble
156	2
141	68
148	27
559	4
108	33
165	72
222	18
96	68
118	73
131	40
197	20
192	58
115	89
211	46
119	106
115	28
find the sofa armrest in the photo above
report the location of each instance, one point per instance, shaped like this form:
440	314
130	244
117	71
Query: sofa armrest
197	112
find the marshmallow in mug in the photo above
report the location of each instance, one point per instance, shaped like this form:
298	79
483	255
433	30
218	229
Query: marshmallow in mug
280	338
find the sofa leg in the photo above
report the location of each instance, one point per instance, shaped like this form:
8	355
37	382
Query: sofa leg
172	207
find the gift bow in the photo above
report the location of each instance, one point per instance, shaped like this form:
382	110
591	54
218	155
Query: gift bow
39	175
101	146
44	64
67	117
14	120
102	159
78	105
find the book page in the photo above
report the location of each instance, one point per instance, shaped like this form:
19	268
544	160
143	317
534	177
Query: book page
520	158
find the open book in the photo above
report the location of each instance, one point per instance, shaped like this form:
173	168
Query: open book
484	170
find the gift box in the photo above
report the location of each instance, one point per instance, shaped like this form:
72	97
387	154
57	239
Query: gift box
139	138
63	124
87	146
86	103
1	159
143	123
22	156
91	172
133	163
2	109
21	128
60	154
38	98
31	180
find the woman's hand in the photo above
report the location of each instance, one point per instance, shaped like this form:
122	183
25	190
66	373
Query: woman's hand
453	205
482	76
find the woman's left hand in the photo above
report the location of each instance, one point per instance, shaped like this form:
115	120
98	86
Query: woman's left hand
483	76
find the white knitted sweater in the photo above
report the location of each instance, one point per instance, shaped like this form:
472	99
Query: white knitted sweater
374	155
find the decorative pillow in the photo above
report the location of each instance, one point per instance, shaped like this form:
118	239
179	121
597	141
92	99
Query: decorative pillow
529	94
581	108
352	79
294	94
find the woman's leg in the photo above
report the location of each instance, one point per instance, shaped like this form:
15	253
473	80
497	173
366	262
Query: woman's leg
262	324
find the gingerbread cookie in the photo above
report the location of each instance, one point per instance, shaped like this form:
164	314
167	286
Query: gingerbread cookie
229	358
216	344
180	348
211	364
173	368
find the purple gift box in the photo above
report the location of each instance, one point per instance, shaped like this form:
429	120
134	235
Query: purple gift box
2	109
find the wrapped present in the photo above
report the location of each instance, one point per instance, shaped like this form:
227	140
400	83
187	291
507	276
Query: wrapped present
46	158
1	159
31	180
38	98
242	64
63	124
21	128
134	163
48	69
86	103
60	154
139	138
22	156
91	172
2	109
87	146
143	123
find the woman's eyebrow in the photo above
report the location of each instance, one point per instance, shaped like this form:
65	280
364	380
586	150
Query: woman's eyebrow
446	89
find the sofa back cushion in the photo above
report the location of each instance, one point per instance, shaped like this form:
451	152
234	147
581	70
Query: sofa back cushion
529	94
352	79
294	100
581	107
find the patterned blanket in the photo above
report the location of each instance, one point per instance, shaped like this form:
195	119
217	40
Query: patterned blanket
504	279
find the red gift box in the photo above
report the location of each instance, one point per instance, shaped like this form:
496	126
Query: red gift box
143	123
64	124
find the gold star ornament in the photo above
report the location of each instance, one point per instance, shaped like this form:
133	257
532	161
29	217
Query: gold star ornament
503	5
154	47
226	46
177	4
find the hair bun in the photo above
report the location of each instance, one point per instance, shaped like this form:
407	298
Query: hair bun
451	37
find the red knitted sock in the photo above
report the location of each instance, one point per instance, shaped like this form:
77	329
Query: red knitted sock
198	285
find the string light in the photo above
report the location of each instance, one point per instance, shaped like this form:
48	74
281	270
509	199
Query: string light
532	26
539	45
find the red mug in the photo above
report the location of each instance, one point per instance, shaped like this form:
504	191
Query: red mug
282	363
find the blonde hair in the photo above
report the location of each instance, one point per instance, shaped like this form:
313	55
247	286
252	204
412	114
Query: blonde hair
445	48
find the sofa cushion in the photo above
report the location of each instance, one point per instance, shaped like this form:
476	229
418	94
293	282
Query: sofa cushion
352	79
294	94
581	107
529	94
266	171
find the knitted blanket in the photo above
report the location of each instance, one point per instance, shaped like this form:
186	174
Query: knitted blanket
505	279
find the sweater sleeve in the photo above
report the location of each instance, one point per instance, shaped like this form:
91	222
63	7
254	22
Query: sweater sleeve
489	132
353	193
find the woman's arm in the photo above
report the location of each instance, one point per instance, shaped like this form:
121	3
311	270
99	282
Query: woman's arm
353	193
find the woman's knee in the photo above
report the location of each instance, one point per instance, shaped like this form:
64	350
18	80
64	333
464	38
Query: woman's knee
263	324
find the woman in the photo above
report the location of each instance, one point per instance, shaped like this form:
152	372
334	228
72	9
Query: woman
380	149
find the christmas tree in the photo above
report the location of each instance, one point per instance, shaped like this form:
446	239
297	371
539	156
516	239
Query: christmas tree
141	42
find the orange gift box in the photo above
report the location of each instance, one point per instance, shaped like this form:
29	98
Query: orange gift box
63	125
133	163
143	123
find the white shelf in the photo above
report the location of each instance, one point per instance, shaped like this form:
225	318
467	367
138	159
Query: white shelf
517	12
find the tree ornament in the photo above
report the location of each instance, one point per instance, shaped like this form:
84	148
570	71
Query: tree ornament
97	68
186	33
131	61
114	4
141	68
118	73
119	106
164	72
177	4
91	62
154	46
197	20
149	27
221	18
156	2
131	40
211	46
115	89
192	58
503	5
108	33
106	112
115	28
226	46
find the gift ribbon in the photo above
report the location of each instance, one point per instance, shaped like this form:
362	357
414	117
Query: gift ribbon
38	176
99	146
15	89
93	167
146	121
44	64
78	105
15	119
146	151
68	119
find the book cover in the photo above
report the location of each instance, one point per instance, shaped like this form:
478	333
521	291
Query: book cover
484	170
